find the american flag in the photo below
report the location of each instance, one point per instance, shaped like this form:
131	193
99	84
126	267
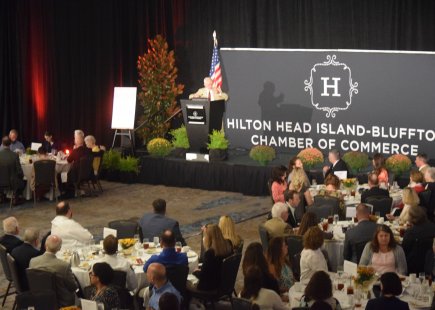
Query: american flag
215	68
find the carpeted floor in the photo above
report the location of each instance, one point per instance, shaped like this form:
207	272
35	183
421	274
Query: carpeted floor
191	207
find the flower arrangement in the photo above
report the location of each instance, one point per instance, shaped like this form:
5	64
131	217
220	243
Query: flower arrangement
398	164
127	242
29	151
159	147
129	164
311	157
111	160
217	140
263	154
179	138
349	183
365	277
356	161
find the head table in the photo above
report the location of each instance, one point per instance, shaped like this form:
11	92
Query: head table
91	254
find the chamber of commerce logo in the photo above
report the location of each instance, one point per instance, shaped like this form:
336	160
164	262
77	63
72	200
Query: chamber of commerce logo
331	86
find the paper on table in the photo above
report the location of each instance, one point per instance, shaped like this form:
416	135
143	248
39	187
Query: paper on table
341	174
64	177
350	268
35	146
350	212
90	305
109	231
338	232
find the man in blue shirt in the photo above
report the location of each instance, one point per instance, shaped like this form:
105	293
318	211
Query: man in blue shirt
169	255
156	275
16	146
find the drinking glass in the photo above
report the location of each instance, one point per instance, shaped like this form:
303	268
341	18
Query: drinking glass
422	277
314	182
156	241
336	219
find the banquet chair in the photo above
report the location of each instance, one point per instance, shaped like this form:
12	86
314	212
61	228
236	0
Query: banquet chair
177	274
416	256
323	210
229	270
424	197
296	266
322	201
85	175
243	304
15	277
39	301
45	176
294	244
380	204
6	271
124	228
98	158
5	183
269	188
359	248
119	282
40	280
264	237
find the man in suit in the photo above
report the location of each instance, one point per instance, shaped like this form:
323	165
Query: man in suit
374	190
154	224
421	162
292	200
429	177
337	164
16	146
24	253
209	92
10	240
277	226
359	235
10	161
65	282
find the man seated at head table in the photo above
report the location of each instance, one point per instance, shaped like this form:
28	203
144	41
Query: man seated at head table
110	246
209	92
65	281
16	146
72	233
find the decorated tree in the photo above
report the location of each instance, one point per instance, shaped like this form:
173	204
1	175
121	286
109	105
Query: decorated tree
158	88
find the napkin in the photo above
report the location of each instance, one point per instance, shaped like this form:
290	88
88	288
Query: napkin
338	232
109	231
350	268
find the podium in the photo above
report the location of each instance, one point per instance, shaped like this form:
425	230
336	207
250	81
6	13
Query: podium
201	117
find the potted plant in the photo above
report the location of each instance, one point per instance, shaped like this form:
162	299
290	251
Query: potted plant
128	169
110	165
311	157
356	161
218	146
180	141
159	147
398	164
263	154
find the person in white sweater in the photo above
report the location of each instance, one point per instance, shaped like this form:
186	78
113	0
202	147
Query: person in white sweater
312	258
266	299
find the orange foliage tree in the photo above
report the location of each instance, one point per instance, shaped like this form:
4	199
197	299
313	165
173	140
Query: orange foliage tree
158	88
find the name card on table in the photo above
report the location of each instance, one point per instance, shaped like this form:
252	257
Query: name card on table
90	305
35	146
109	231
341	174
350	212
350	268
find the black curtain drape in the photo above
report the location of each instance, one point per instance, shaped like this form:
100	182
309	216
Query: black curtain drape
60	59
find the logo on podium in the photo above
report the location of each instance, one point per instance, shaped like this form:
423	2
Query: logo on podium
331	86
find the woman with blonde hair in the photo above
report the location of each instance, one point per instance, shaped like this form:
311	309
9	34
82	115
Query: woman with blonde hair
228	228
410	200
217	248
300	184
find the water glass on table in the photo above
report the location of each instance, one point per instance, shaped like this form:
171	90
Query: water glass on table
156	241
178	246
145	243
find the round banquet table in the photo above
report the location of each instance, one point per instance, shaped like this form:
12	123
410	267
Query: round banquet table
89	257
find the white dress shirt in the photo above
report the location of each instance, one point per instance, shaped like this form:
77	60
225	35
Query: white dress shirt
311	261
72	233
121	264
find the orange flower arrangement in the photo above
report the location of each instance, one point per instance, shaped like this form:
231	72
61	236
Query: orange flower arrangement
311	157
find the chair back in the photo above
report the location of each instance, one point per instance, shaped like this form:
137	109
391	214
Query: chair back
45	172
264	236
328	205
40	280
416	257
229	270
124	228
269	189
359	248
5	265
239	249
119	278
85	169
42	300
14	272
242	304
177	274
296	266
380	204
97	161
119	282
424	198
322	210
295	246
5	176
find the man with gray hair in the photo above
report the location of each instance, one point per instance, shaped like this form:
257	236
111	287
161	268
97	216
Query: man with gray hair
10	239
24	253
277	226
337	164
16	146
65	282
429	177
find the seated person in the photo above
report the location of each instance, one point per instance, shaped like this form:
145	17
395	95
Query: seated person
310	220
391	286
383	253
11	161
279	264
361	233
374	190
380	170
156	275
254	291
277	226
292	200
15	146
11	239
298	184
410	200
101	276
153	224
209	92
65	283
40	191
312	258
228	229
279	183
49	145
169	301
72	233
332	189
24	253
416	180
319	289
169	255
110	245
429	177
91	144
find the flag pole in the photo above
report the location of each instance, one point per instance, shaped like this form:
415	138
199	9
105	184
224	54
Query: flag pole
214	38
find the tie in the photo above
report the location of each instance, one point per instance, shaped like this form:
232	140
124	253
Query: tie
209	95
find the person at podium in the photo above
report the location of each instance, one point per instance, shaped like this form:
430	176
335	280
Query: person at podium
209	92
